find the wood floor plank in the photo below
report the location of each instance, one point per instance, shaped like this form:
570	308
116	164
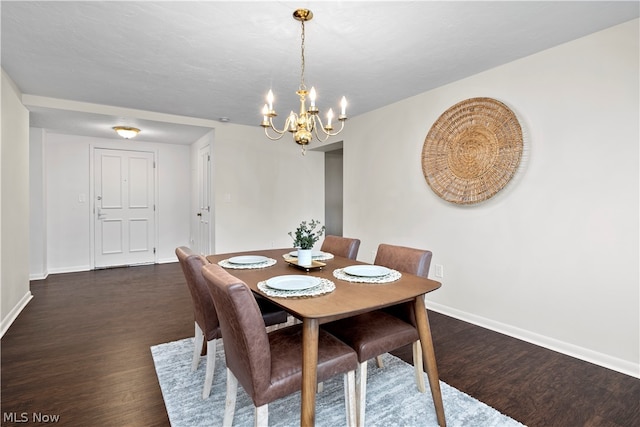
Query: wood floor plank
81	350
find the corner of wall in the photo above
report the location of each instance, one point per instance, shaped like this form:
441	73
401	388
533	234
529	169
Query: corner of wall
8	320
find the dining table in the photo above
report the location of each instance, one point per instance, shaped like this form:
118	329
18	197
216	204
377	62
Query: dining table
345	298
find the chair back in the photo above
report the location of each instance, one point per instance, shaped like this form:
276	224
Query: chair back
403	259
407	260
341	246
246	344
204	310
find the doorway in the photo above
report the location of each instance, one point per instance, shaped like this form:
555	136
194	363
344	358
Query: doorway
124	208
333	193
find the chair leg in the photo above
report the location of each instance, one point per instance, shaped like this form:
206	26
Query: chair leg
350	398
261	417
379	362
418	367
361	393
230	402
198	339
211	366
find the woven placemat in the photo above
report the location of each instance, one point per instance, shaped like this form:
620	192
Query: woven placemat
267	263
324	287
472	151
393	276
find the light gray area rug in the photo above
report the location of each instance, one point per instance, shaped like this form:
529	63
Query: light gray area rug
392	397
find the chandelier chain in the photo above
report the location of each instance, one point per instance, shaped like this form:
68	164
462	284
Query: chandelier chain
302	85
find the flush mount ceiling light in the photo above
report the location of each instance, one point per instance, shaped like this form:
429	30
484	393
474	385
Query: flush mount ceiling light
126	132
306	123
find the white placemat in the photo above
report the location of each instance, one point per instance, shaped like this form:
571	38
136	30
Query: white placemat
268	263
326	286
387	278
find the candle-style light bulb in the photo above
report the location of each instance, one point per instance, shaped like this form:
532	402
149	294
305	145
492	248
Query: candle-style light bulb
329	117
265	111
270	99
312	96
343	104
292	121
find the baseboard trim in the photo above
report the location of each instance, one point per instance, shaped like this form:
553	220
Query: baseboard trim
13	314
600	359
73	269
79	268
39	276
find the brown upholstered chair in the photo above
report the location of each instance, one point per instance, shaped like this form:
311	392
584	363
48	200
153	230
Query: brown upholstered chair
205	316
375	333
269	365
341	246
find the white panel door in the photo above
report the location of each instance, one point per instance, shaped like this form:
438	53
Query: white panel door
124	214
204	201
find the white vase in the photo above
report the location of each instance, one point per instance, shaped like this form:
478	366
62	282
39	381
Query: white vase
304	257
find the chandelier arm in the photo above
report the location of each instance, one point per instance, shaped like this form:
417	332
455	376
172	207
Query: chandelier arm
338	131
319	137
273	138
285	129
325	132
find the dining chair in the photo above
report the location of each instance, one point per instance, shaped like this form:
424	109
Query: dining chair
207	326
341	246
268	366
375	333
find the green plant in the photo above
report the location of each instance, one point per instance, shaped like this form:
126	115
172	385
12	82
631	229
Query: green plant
306	235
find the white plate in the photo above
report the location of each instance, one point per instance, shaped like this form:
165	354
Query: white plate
367	270
314	254
293	282
248	259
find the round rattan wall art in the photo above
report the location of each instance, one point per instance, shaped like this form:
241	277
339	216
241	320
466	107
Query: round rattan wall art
472	151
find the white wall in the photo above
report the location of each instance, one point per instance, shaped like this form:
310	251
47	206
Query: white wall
14	204
173	190
553	258
68	220
263	189
37	219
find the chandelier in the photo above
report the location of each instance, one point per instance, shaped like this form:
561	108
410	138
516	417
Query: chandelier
307	122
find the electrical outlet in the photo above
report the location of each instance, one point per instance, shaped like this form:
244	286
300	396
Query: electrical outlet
439	270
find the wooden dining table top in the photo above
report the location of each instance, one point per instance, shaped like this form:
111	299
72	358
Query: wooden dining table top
348	299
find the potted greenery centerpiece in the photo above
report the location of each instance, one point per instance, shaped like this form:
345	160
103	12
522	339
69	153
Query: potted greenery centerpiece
304	238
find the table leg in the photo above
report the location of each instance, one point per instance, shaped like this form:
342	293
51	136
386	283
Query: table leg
429	358
309	371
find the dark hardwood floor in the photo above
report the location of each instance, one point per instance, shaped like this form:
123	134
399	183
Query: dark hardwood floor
80	351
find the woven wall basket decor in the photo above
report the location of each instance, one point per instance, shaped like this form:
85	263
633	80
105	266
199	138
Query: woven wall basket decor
472	151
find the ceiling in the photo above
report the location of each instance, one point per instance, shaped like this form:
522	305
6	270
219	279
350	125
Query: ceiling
174	69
